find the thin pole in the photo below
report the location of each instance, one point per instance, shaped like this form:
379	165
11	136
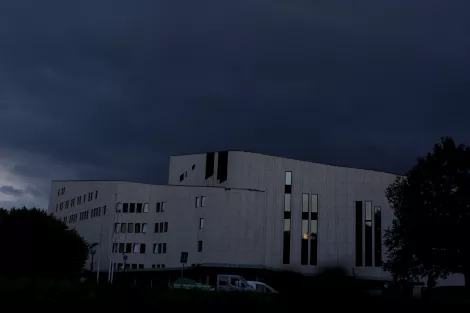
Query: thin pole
99	255
182	270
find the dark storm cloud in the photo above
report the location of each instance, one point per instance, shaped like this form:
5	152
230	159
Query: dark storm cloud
110	89
9	190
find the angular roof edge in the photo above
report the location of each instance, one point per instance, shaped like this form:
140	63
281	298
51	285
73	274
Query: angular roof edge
288	158
141	183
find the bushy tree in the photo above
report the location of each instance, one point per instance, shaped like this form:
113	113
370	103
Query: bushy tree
431	205
35	244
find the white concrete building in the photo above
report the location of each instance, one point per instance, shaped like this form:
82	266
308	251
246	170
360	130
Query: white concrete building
238	208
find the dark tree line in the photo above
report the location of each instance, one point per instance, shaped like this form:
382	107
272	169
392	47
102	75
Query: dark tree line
431	228
35	244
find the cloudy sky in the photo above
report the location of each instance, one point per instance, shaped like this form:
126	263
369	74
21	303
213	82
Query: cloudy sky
109	89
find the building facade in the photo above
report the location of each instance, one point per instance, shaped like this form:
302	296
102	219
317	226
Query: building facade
235	208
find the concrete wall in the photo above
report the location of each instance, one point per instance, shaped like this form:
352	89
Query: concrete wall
338	189
234	223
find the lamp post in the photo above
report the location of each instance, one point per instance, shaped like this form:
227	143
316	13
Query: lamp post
92	251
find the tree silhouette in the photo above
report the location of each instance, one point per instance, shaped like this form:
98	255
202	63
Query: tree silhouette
35	244
431	225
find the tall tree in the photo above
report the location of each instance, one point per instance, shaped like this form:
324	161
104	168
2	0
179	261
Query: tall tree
431	204
36	244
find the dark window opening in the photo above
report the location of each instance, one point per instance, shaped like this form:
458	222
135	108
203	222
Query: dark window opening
125	207
132	208
358	233
199	246
378	236
210	161
181	177
222	166
194	167
368	235
139	207
286	242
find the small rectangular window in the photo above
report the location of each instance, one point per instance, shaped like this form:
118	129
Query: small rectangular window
166	227
203	201
144	228
139	207
146	207
153	265
181	177
128	247
156	228
159	248
186	174
121	247
67	204
142	248
96	194
117	227
197	202
130	228
72	203
123	228
158	207
288	179
155	248
132	208
79	200
287	202
84	198
163	206
199	246
61	206
164	248
194	167
141	266
125	207
58	192
136	248
134	266
161	227
201	223
104	210
137	228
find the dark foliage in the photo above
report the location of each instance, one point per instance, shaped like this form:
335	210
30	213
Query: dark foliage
35	244
430	231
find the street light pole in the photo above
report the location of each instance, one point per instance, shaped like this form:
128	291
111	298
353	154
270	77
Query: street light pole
92	252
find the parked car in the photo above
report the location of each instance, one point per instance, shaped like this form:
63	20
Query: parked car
232	283
261	287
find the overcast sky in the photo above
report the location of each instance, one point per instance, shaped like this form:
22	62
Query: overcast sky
109	89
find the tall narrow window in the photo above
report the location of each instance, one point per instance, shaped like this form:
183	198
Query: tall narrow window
197	202
145	227
203	201
146	207
314	230
378	236
96	194
132	208
304	234
287	219
210	161
201	223
125	207
358	233
199	246
222	166
368	235
139	207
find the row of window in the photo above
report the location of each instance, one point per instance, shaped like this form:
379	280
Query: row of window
158	265
200	201
72	218
130	228
129	247
83	215
76	201
61	191
372	229
96	212
159	248
161	227
309	225
121	266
